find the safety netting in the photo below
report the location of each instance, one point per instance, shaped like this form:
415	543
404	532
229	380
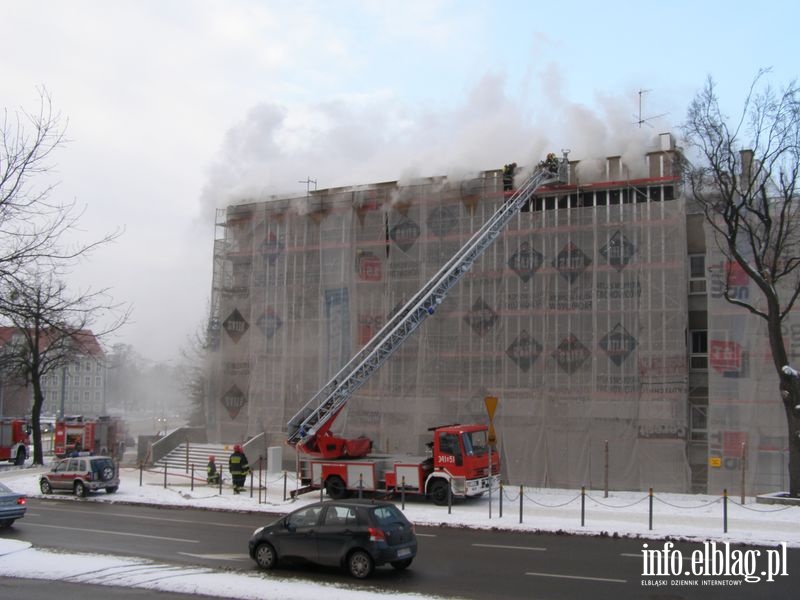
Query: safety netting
575	319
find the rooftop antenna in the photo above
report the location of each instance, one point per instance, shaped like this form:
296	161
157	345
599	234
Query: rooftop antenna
644	120
308	181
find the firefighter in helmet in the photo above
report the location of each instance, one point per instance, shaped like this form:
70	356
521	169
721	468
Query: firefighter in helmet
238	467
508	176
213	476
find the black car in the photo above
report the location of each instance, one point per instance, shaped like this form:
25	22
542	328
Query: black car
356	534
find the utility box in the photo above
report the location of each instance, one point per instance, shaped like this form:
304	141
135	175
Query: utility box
274	460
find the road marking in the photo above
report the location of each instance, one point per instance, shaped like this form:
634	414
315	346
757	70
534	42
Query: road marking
141	535
218	556
578	577
510	547
142	517
426	535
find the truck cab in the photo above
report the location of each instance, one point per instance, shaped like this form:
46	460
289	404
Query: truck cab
462	457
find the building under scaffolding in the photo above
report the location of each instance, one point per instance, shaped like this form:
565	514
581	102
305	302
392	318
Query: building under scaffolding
588	319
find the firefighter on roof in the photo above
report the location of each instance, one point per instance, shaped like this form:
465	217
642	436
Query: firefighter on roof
508	176
237	465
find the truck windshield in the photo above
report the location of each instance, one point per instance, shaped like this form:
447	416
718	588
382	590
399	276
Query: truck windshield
475	442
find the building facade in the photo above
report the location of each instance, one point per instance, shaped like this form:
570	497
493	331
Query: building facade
589	319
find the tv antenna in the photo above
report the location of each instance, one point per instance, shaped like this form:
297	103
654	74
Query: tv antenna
308	181
644	120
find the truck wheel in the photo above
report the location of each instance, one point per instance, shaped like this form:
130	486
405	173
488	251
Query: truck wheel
45	486
265	556
81	489
360	564
20	459
335	487
439	492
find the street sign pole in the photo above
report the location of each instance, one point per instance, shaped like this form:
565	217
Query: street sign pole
491	406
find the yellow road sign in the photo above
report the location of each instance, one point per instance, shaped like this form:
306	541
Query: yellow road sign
491	405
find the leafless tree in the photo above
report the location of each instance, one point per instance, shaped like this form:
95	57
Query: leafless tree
51	328
32	223
744	174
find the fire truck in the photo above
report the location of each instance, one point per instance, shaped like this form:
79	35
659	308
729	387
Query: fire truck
104	435
462	460
14	440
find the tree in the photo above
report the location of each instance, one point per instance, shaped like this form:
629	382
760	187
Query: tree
745	177
32	224
195	378
51	329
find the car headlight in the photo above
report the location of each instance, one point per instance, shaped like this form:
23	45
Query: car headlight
257	531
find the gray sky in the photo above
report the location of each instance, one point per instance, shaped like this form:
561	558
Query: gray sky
176	107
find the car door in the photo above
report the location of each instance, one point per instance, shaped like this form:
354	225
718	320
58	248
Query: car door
298	535
336	533
58	475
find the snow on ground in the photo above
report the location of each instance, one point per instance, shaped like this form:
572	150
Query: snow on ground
681	516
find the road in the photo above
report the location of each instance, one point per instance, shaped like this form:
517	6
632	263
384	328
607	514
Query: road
465	563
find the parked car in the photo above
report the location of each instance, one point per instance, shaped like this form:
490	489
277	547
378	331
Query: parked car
355	534
81	475
12	506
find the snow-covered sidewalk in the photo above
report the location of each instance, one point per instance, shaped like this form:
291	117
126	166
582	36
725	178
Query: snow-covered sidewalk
682	516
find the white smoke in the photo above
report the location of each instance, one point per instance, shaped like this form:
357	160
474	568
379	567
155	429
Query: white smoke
274	149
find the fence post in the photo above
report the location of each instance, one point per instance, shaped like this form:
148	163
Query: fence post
321	489
192	484
360	485
284	486
650	493
605	470
220	480
187	455
260	458
520	504
141	468
725	510
450	499
501	500
403	492
165	475
744	463
583	505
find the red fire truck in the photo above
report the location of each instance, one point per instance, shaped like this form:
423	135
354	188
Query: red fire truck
14	440
104	435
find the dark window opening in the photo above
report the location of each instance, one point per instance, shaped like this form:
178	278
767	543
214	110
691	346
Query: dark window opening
562	202
601	198
613	197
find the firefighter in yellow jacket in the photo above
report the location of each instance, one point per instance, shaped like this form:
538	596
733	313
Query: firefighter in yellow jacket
238	467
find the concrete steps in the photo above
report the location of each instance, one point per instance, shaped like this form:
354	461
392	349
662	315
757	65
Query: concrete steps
182	460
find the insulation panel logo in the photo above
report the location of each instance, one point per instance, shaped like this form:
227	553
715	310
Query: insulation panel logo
233	401
524	351
618	251
235	325
526	261
405	234
481	317
571	354
727	358
442	220
571	262
618	344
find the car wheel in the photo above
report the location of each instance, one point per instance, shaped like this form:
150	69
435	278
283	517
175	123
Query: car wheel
111	489
439	492
265	556
6	523
335	487
45	486
81	489
20	460
402	564
360	564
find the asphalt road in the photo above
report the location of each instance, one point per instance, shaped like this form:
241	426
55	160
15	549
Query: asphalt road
465	563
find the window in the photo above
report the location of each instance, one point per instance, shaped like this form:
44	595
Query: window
87	366
98	381
697	274
698	351
87	381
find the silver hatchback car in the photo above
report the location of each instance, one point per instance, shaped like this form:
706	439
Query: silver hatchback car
81	475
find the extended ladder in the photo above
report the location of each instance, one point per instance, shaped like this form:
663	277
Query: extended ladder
318	414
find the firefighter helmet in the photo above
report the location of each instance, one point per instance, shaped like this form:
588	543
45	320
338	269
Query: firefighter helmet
237	448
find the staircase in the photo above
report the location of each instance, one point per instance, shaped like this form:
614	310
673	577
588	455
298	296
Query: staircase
176	460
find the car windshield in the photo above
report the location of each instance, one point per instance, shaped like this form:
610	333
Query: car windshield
475	442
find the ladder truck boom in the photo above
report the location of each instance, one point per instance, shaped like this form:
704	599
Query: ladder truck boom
309	430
